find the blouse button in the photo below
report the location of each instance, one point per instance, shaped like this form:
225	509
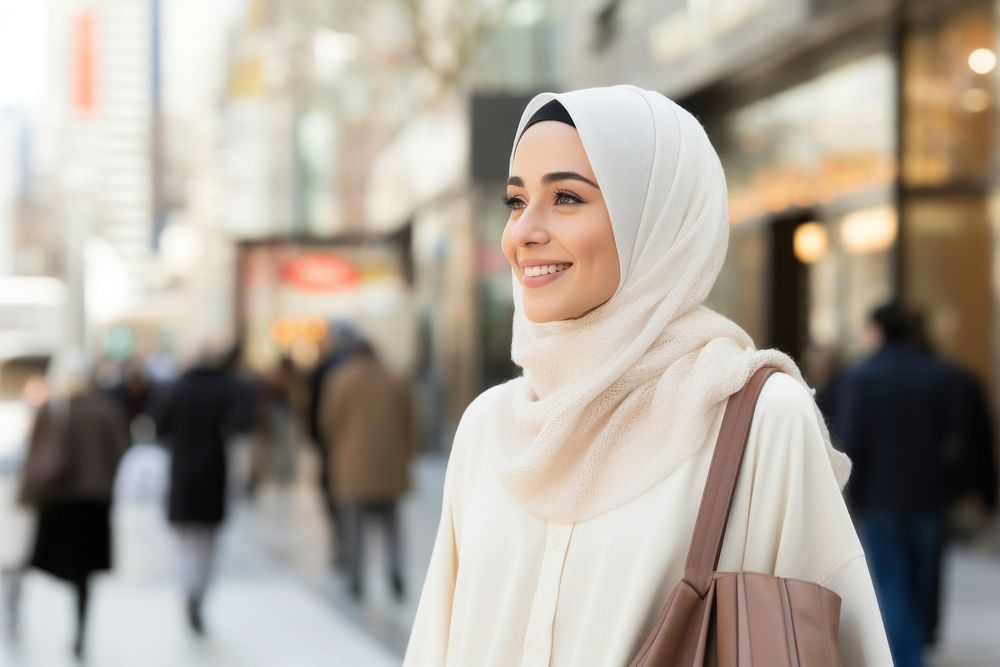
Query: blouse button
554	541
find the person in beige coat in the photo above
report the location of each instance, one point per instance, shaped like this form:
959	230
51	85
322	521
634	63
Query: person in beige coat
366	423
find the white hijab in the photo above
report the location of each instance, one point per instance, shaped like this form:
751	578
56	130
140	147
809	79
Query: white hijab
613	402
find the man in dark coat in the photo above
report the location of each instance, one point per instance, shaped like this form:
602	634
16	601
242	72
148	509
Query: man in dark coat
202	411
897	425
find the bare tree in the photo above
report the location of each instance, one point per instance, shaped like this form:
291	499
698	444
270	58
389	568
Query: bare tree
413	56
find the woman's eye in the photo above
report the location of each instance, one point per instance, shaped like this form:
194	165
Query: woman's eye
567	198
512	202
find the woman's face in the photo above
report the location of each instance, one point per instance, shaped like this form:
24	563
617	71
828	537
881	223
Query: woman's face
558	239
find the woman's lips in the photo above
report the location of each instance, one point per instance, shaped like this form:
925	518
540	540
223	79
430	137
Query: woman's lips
538	281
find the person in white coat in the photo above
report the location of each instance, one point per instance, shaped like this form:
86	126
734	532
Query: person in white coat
571	492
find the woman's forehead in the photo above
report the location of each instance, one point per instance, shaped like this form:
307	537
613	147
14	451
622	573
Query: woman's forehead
550	146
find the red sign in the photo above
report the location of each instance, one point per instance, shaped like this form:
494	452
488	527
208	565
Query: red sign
326	273
84	85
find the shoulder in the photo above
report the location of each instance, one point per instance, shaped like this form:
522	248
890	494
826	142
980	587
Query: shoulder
786	425
468	449
782	397
475	416
470	435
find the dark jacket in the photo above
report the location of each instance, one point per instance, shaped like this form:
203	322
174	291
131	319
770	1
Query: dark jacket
897	424
89	437
201	412
975	460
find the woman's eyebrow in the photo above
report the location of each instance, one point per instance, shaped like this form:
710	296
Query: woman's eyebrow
567	176
516	181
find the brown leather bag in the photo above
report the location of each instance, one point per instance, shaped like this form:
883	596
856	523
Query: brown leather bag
739	619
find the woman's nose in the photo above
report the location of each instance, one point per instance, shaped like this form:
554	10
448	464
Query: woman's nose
529	228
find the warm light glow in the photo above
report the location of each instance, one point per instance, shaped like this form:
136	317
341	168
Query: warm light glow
283	331
975	100
870	230
289	331
982	61
811	242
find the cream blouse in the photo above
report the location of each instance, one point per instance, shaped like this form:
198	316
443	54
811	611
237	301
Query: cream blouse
506	588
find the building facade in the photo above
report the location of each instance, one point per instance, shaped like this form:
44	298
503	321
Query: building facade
858	140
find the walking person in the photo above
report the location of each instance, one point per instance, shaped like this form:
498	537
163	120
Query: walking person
572	491
897	426
367	418
78	438
135	392
202	412
339	345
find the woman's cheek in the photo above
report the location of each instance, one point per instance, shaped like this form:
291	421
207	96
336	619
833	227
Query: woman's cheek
506	246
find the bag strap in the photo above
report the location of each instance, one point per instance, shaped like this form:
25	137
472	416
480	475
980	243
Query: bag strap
717	499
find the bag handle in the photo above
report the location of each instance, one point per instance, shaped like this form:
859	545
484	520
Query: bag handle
717	499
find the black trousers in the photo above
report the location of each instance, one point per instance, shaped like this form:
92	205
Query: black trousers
356	517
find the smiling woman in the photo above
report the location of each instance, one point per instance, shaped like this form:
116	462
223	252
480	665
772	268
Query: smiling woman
572	491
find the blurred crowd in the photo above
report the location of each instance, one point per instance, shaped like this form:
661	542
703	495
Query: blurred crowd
89	419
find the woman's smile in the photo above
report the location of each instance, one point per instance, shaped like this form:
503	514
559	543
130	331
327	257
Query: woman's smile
542	272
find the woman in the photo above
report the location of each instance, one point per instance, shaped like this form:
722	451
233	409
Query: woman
202	411
572	490
77	440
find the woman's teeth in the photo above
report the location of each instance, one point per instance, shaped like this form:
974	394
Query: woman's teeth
533	271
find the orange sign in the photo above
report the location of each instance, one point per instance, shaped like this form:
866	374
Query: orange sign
326	273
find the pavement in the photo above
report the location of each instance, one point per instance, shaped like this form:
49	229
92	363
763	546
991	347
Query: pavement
260	612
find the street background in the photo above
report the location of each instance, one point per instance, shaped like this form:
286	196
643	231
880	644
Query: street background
267	181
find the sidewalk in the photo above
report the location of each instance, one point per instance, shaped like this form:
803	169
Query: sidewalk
291	526
257	614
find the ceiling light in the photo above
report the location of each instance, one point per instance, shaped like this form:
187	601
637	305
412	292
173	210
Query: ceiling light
982	61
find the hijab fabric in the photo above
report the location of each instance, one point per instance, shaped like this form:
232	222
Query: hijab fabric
613	402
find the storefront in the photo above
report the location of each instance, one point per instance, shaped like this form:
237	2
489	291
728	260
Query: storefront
857	137
290	289
809	149
949	145
859	170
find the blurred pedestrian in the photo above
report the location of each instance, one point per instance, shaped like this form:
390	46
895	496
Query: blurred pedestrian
339	345
897	423
77	440
135	391
201	413
367	420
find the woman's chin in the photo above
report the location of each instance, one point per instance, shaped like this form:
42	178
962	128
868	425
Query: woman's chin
543	315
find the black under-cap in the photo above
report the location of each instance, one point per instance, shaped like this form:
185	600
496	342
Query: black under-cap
552	110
